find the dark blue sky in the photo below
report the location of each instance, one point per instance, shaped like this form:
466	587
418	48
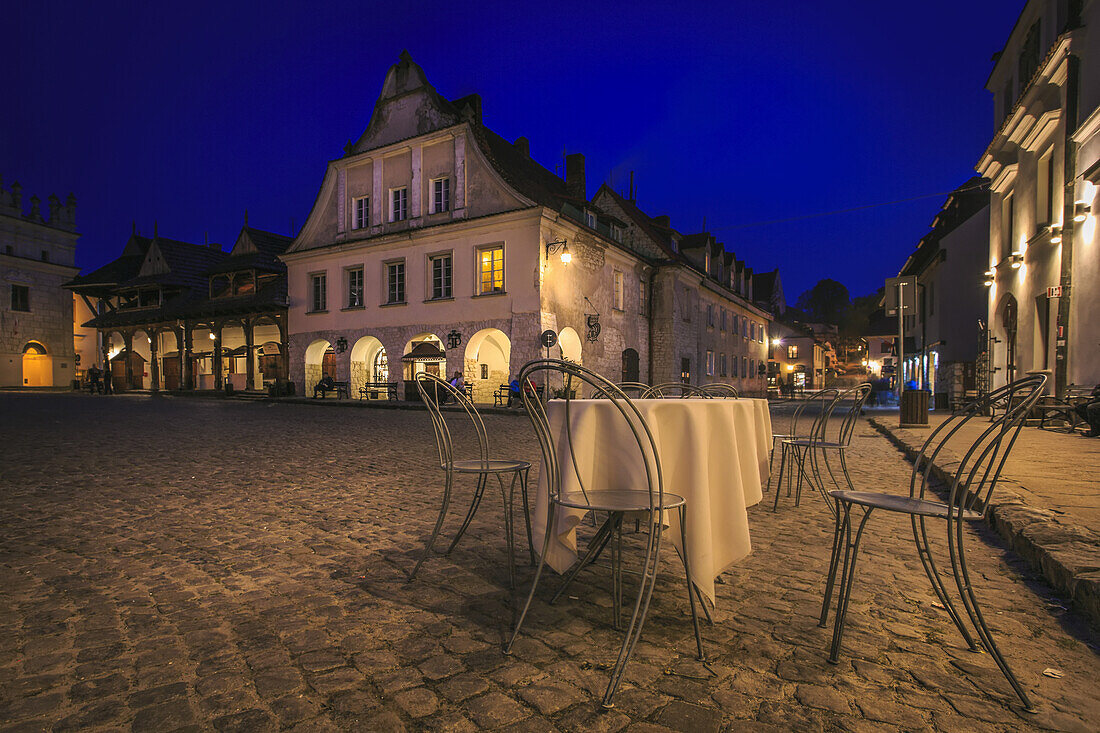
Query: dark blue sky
739	112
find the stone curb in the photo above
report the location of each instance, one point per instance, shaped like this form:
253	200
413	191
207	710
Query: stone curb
1066	555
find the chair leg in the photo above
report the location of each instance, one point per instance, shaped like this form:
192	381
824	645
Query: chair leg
507	496
692	589
527	512
834	561
962	580
851	551
595	546
803	474
924	552
482	479
637	619
616	541
438	526
779	479
551	523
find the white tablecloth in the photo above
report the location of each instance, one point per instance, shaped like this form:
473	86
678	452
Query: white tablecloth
714	453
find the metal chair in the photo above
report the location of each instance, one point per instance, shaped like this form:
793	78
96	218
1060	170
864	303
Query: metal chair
815	449
968	500
431	389
819	403
673	389
721	390
652	501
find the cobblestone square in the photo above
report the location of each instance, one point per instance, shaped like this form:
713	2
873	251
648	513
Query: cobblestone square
173	563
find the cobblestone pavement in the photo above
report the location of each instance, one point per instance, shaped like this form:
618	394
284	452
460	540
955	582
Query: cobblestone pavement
177	563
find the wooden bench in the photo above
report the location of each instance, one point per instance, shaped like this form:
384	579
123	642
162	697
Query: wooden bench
342	389
372	390
1051	407
500	397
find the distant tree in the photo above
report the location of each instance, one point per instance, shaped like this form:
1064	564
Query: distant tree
827	302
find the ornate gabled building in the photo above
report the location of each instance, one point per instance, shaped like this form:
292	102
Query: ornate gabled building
174	315
37	255
432	229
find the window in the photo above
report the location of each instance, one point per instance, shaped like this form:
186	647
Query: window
722	364
395	282
360	211
744	327
792	351
20	298
722	320
484	371
618	280
320	302
9	250
399	204
491	270
710	363
441	276
752	368
355	287
219	286
617	233
589	218
710	315
736	328
45	255
244	283
1044	188
752	330
441	195
685	369
735	362
745	367
641	297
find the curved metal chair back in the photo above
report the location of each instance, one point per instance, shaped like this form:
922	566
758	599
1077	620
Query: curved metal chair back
431	388
639	387
854	398
576	379
985	456
722	390
674	389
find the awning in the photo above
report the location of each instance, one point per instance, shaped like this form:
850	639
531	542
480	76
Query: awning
239	351
425	351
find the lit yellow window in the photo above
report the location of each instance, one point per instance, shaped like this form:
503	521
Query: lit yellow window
492	270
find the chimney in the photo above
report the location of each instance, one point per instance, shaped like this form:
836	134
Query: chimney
70	211
664	220
574	176
55	209
633	195
523	145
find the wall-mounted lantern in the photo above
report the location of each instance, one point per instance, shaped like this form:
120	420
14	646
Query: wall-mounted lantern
341	345
559	245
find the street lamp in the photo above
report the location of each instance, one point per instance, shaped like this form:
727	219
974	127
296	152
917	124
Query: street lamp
559	245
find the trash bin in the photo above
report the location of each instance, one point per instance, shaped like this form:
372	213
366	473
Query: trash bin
914	408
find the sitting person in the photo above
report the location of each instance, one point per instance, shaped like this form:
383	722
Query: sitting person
1089	410
324	386
513	392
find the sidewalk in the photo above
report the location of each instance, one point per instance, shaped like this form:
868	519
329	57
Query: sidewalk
1047	504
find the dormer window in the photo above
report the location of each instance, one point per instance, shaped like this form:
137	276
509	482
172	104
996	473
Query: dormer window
149	298
589	219
244	283
219	286
617	233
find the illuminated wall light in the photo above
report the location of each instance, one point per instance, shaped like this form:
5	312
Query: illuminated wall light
1081	211
211	337
1017	260
1055	233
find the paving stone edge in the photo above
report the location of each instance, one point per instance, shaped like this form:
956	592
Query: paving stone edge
1066	555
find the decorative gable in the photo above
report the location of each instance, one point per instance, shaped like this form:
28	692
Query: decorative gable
407	107
155	263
